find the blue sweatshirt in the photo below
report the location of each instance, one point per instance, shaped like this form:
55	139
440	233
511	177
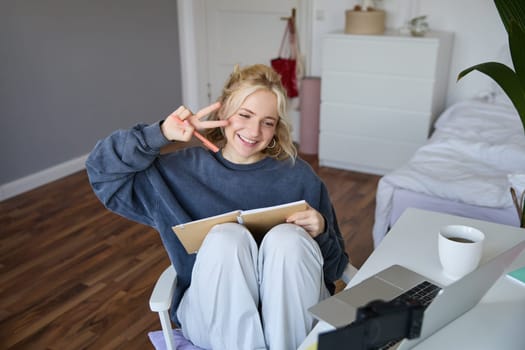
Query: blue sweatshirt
132	179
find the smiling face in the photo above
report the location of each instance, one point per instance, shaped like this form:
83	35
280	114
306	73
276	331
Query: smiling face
253	94
251	128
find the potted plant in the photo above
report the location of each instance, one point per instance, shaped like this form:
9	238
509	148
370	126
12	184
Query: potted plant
512	14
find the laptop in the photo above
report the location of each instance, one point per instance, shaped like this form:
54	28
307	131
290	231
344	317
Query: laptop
449	302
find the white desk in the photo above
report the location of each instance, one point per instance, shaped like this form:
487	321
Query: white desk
497	322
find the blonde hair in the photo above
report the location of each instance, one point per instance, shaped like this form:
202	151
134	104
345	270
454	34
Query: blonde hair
242	83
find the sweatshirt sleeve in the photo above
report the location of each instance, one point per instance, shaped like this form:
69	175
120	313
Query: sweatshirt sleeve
331	241
118	168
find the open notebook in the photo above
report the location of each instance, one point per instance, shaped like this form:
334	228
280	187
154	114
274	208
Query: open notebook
258	221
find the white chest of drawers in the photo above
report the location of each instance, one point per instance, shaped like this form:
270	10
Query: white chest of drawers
380	95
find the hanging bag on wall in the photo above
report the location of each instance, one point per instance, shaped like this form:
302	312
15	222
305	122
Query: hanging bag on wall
288	67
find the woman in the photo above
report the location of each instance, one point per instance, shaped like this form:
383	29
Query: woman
234	293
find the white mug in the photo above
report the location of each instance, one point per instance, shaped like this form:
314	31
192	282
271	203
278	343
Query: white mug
460	248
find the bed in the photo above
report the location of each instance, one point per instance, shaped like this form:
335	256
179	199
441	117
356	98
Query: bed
463	168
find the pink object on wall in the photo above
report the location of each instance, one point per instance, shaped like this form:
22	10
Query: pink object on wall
309	106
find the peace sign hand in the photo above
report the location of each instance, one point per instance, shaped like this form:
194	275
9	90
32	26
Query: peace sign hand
181	124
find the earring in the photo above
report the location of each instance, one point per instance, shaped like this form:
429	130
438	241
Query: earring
272	144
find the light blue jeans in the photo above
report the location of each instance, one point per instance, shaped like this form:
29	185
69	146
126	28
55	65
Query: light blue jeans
247	297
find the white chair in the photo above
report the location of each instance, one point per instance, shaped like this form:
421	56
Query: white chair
161	298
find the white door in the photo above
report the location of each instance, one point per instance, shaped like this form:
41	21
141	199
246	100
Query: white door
240	32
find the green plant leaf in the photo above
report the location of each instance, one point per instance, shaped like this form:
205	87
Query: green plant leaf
512	14
507	79
511	11
517	50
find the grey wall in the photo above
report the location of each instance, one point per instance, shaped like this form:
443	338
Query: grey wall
72	71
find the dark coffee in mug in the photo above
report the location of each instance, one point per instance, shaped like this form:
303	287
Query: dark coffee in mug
460	239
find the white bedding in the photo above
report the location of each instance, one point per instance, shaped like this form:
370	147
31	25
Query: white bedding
474	147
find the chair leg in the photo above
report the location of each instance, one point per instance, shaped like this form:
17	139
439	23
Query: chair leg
166	330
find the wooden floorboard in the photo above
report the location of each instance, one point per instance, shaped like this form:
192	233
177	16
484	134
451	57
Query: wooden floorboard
75	276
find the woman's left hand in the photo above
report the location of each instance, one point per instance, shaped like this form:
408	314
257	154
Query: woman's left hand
310	219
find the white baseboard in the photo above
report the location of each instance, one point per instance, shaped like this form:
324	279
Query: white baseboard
40	178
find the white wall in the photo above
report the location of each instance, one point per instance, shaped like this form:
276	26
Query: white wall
479	35
73	71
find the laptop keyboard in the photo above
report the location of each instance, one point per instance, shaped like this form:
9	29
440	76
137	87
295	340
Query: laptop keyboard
423	293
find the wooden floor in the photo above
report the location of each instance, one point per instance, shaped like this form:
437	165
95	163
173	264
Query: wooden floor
75	276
